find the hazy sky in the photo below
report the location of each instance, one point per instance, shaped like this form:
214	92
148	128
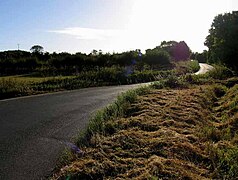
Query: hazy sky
109	25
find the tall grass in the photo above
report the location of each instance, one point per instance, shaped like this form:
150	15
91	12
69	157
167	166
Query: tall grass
13	88
221	137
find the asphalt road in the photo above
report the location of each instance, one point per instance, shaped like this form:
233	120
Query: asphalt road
33	130
204	68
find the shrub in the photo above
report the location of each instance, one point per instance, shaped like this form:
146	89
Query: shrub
220	72
157	57
185	67
173	81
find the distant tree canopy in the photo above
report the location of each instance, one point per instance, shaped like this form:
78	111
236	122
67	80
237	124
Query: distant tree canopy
20	62
177	50
200	57
222	40
157	57
37	49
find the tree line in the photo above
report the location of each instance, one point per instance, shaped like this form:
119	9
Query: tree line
222	41
36	60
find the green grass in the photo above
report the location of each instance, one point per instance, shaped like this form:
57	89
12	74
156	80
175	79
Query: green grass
32	79
23	85
221	134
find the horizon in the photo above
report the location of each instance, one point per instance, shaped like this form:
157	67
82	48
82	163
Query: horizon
111	26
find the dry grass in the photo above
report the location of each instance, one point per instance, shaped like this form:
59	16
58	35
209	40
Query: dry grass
166	134
157	139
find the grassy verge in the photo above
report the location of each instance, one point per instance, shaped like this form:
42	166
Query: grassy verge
176	130
220	134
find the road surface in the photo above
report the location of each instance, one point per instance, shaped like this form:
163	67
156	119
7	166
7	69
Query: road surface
34	130
204	68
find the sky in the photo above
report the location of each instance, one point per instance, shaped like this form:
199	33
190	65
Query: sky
107	25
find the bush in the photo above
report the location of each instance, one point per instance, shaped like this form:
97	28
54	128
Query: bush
172	81
156	57
220	72
185	67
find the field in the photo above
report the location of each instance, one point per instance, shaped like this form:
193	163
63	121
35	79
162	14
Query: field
29	78
187	132
22	85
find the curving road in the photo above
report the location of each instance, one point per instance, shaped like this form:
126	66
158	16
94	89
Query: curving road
204	68
34	130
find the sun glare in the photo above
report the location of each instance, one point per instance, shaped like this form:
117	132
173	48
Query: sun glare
152	21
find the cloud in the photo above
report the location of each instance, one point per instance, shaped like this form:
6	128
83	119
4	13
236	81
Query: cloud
88	33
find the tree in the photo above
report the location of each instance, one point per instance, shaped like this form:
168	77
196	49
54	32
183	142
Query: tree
177	50
200	57
180	51
222	40
156	57
37	49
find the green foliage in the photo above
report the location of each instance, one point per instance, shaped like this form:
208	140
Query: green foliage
37	49
221	136
157	57
171	81
222	40
184	67
177	50
25	85
228	162
193	66
200	57
220	72
45	64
